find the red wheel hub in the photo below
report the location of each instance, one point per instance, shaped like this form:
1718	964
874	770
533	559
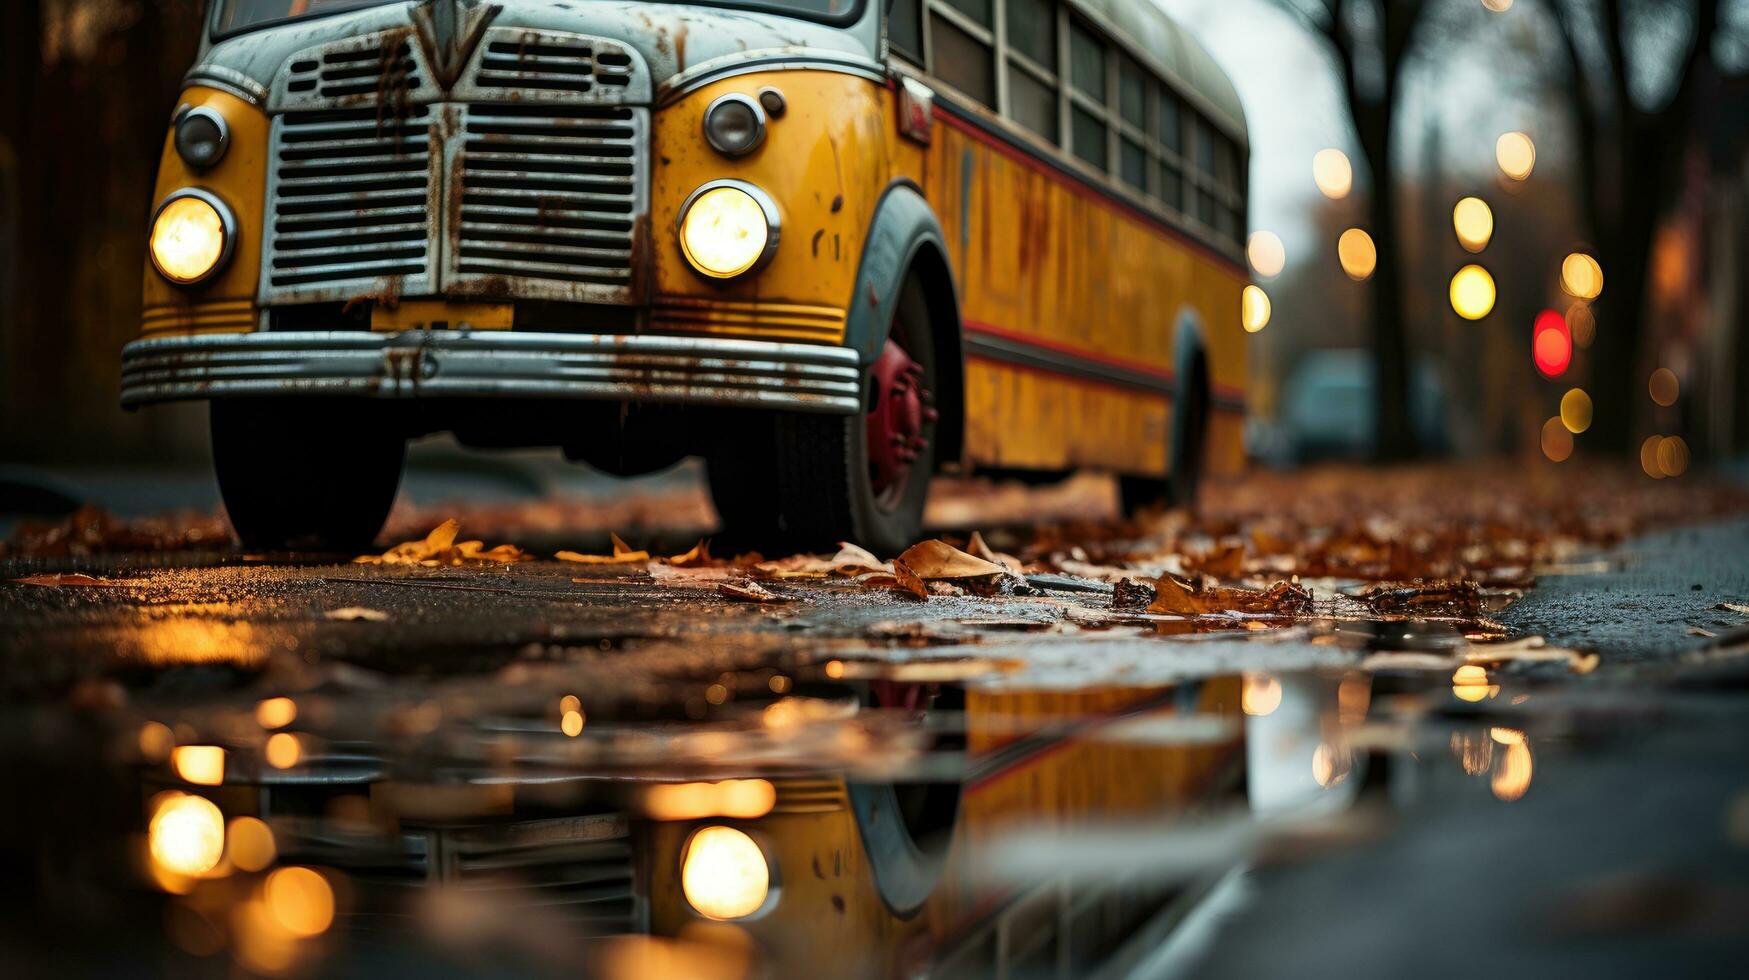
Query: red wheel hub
897	421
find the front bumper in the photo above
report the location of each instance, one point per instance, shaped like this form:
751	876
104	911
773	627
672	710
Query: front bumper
493	364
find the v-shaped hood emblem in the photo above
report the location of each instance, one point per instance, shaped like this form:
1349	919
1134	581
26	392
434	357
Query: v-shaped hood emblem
449	30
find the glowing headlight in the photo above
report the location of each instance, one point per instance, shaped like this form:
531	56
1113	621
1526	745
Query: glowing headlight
724	874
192	236
728	227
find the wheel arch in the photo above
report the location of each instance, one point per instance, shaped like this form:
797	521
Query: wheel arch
904	241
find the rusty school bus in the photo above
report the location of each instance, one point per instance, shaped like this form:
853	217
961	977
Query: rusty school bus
832	246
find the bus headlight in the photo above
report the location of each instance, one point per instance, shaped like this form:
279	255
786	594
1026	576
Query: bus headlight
728	228
193	235
202	136
724	874
734	125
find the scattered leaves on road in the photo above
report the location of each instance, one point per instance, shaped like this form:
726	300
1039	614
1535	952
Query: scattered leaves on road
440	547
623	554
749	591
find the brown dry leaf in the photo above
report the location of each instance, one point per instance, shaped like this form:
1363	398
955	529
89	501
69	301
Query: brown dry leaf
440	548
66	579
850	560
936	559
1222	563
699	555
978	548
1736	607
906	580
1182	597
685	574
749	591
1456	597
622	554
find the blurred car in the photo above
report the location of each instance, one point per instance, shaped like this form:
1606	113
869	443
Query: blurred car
1327	410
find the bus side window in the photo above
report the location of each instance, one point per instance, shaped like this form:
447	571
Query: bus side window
1087	88
1169	135
905	29
962	47
1032	65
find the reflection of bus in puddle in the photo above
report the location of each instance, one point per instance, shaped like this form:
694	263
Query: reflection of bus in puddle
739	868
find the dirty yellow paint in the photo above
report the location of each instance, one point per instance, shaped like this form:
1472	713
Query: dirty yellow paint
224	303
421	314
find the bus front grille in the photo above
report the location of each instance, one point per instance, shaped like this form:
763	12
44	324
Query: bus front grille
550	195
352	196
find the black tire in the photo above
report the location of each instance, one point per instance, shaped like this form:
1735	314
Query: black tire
1185	455
804	481
306	474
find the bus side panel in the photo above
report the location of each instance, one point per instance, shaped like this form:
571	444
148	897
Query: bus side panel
1091	292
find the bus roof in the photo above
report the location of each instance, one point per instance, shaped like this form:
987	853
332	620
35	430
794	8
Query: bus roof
1149	33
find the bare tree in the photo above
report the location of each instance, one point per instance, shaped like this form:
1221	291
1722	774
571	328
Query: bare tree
1628	169
1370	41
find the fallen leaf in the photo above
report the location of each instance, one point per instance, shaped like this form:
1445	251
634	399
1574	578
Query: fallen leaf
622	555
749	591
1182	597
680	575
1132	593
850	560
66	579
356	614
1456	597
440	548
978	548
1222	563
699	555
909	581
1735	607
937	559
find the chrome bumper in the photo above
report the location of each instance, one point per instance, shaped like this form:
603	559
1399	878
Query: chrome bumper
493	364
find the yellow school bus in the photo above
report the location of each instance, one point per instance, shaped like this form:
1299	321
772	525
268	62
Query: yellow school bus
832	246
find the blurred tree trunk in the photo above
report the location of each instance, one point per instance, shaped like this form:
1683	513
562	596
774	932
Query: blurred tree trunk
1370	58
1628	175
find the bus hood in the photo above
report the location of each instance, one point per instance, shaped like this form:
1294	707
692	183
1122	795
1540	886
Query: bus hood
671	37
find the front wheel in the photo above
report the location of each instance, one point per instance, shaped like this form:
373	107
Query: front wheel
809	481
305	474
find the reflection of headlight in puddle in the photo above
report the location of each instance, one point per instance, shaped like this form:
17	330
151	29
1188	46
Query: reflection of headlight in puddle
724	874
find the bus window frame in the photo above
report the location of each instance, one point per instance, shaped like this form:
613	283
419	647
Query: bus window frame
1193	108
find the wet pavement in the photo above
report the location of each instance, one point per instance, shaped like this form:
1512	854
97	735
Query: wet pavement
674	768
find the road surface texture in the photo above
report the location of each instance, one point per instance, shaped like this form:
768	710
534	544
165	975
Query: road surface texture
1350	732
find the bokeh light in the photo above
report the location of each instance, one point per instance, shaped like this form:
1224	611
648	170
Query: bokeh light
1557	441
1358	255
1472	292
203	765
1260	695
1473	221
1515	154
1498	6
571	723
1581	324
1663	387
1470	683
1333	174
1576	410
156	741
1254	309
1581	276
300	900
1267	254
1512	772
276	712
1649	457
249	843
1672	456
283	750
187	834
1551	346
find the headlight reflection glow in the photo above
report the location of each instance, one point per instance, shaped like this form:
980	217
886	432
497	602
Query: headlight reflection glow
724	874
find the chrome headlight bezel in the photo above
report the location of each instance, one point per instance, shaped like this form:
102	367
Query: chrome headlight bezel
217	119
227	224
773	226
721	104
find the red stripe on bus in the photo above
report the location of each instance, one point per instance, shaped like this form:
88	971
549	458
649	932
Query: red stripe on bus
1225	392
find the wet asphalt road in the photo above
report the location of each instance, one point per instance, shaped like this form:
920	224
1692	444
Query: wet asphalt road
1630	855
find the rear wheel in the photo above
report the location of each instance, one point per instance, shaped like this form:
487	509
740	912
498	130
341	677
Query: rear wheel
808	481
1186	452
306	474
